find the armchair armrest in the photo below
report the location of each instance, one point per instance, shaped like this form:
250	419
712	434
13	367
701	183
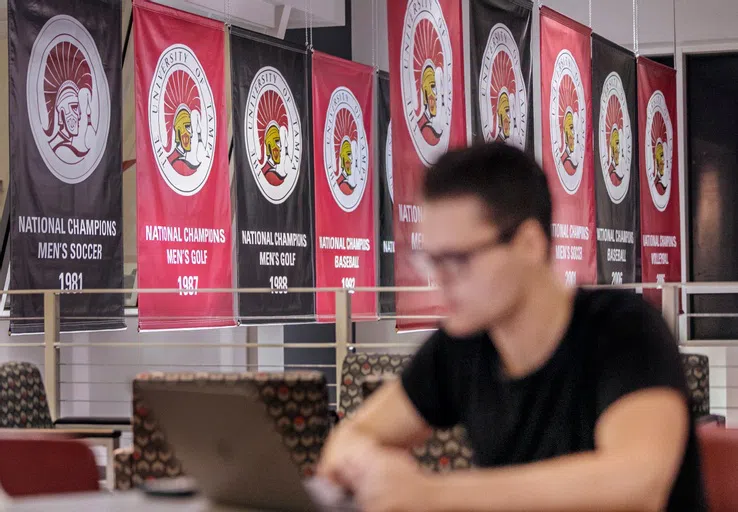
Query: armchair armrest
123	467
711	419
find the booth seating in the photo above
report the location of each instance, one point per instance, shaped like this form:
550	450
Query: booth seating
297	401
447	449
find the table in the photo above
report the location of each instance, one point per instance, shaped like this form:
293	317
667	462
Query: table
130	501
93	422
107	438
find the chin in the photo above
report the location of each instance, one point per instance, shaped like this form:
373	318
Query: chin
460	327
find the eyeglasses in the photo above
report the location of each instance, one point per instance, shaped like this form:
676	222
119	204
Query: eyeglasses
455	263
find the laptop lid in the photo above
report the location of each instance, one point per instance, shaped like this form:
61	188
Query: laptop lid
227	442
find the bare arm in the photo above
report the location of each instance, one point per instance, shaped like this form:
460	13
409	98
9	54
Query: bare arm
387	419
640	441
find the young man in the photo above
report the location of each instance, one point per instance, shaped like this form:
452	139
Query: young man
573	400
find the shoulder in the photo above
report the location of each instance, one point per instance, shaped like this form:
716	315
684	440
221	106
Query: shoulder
622	320
610	302
443	353
629	347
618	309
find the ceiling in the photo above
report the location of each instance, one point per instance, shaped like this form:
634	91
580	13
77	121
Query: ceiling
271	17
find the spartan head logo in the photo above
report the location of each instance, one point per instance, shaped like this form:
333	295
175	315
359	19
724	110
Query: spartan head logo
271	146
615	138
503	102
345	149
273	135
182	120
426	78
568	121
68	99
345	138
659	150
181	91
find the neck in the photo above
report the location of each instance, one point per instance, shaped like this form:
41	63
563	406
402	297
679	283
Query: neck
527	338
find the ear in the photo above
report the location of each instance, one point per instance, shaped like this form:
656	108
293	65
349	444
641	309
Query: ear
531	243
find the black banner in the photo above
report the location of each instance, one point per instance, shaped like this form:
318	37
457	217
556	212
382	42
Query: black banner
502	72
386	197
271	133
614	100
65	160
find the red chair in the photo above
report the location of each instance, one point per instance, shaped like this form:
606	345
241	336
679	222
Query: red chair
32	466
719	448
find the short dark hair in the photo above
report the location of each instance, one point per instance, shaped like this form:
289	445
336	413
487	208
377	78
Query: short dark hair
510	183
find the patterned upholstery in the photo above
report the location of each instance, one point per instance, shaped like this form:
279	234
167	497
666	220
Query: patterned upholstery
297	401
697	371
445	450
363	374
23	397
123	467
356	368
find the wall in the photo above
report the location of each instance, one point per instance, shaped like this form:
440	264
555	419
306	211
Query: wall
332	40
384	332
699	23
96	372
96	379
701	26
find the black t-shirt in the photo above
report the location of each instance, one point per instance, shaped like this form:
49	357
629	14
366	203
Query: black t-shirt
615	344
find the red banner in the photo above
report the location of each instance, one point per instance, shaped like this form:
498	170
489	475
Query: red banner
343	99
659	157
568	153
428	117
182	175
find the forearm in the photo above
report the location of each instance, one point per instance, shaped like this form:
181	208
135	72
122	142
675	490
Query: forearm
368	429
583	482
388	419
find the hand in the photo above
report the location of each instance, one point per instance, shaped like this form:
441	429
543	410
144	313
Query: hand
338	452
388	480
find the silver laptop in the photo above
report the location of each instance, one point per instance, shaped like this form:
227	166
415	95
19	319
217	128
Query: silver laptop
229	445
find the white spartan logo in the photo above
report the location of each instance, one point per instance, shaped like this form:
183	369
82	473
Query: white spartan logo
68	99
